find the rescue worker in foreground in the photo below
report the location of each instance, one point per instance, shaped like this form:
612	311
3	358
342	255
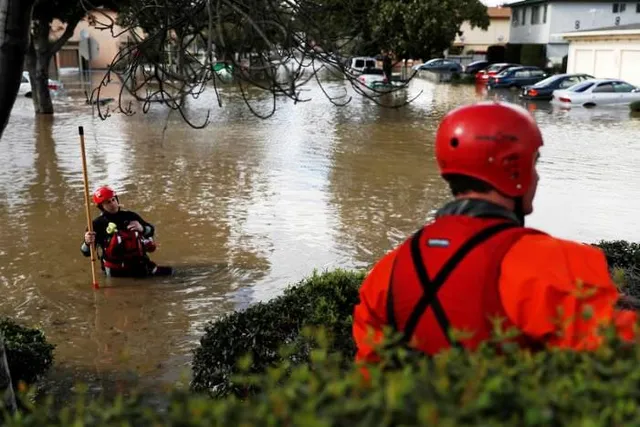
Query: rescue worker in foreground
477	261
124	239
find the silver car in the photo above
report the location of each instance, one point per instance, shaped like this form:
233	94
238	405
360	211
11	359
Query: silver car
594	92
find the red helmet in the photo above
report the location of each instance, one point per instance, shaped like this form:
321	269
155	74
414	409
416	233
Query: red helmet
103	194
494	142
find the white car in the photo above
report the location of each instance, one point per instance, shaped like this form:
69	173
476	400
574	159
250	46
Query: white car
590	93
25	85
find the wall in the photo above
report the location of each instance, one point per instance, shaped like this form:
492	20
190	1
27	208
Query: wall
524	33
606	57
108	46
480	39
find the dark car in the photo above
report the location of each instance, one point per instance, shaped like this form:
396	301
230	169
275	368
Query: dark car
440	64
482	76
476	66
543	90
516	77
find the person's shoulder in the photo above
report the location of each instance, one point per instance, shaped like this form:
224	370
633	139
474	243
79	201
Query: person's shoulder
542	254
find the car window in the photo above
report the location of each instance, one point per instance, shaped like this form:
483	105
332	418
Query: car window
537	73
623	87
569	81
546	81
24	80
370	63
604	88
359	63
581	87
522	73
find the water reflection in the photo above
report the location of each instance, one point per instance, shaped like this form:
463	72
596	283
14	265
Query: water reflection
247	206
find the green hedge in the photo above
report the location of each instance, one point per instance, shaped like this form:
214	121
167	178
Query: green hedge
483	388
29	355
322	299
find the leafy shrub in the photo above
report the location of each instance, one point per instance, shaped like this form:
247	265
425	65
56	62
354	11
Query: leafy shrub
29	355
323	299
487	387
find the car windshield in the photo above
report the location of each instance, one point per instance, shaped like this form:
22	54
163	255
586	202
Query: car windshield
547	81
495	67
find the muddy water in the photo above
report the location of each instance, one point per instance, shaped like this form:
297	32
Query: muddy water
247	206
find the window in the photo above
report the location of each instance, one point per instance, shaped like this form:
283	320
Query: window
622	87
521	74
581	87
619	7
537	73
544	14
535	15
524	15
603	87
638	7
24	79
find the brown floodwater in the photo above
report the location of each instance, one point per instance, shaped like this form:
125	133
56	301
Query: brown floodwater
247	206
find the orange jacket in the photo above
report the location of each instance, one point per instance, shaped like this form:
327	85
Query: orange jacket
555	291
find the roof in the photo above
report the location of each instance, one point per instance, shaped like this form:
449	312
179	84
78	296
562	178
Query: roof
530	2
499	12
619	30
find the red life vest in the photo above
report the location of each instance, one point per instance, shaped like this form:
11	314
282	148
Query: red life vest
125	249
446	277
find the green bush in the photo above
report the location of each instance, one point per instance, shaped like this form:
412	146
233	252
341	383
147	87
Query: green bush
323	299
490	387
29	355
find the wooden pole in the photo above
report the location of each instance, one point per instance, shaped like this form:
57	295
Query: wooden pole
86	206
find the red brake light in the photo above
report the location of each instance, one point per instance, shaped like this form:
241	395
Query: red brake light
563	99
533	92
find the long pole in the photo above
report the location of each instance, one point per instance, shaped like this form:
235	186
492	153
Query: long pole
86	206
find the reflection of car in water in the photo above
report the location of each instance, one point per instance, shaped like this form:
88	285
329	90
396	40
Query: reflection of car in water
55	86
597	92
543	90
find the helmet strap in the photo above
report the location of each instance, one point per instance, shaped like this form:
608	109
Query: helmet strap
519	209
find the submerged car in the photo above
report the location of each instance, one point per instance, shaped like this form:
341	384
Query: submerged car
25	85
543	90
597	92
516	77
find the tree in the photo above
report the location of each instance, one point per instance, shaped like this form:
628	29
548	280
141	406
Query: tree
15	16
42	49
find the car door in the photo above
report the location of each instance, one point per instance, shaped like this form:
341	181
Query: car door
604	93
625	91
535	76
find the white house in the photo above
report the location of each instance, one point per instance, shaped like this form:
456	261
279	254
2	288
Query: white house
545	21
612	52
479	40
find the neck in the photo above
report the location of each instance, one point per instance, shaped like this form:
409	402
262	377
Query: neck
493	197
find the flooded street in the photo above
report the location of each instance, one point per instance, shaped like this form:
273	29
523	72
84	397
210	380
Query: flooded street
247	206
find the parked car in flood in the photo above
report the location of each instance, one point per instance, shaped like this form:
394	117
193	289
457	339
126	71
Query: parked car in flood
475	66
597	92
516	77
25	85
483	75
543	90
439	64
371	77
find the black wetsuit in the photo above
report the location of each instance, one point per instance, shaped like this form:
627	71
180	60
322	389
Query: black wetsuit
121	219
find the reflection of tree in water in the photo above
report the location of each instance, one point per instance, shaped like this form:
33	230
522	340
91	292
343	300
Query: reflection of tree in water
384	181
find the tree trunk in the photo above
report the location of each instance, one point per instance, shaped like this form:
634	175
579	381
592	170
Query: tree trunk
38	58
6	388
15	16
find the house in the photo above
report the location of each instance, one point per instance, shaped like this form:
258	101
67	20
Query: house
90	46
543	22
479	40
611	52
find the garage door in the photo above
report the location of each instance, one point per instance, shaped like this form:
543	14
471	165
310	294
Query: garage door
583	61
630	66
605	64
68	58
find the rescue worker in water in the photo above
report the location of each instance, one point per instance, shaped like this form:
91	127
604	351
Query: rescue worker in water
477	261
124	239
